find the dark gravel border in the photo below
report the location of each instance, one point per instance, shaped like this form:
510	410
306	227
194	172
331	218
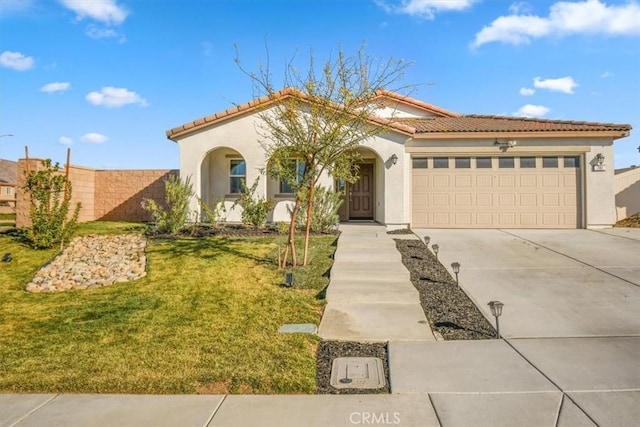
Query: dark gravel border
449	310
329	350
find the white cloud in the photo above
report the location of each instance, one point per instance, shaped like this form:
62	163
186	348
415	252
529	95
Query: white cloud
531	110
64	140
563	84
55	87
94	138
106	11
606	74
114	97
105	33
520	7
16	60
425	8
525	91
565	18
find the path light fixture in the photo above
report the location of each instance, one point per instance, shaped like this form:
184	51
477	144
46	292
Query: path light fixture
496	311
456	269
427	239
436	249
394	159
289	281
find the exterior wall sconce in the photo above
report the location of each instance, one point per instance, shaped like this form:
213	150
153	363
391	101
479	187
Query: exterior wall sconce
394	159
436	249
496	311
598	163
456	269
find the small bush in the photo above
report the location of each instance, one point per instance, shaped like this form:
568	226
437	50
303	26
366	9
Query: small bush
171	218
324	211
50	200
255	210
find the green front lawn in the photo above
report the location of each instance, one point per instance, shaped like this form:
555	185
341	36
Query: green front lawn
203	320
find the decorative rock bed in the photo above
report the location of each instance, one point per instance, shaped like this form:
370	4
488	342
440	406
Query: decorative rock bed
93	261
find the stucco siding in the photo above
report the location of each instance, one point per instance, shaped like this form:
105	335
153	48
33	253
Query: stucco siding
627	186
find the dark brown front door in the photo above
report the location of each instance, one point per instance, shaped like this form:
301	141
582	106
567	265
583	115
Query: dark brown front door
361	194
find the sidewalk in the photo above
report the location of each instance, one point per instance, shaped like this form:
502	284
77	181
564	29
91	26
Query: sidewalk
370	296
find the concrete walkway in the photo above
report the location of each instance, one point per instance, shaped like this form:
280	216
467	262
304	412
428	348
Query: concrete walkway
370	296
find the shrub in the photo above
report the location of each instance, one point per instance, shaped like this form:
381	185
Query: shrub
216	214
170	219
255	210
50	199
324	211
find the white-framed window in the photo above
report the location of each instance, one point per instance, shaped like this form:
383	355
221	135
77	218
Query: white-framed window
298	166
9	191
237	175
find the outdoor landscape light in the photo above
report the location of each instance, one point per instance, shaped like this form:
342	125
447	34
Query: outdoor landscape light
496	311
7	257
289	280
435	248
456	269
427	239
394	159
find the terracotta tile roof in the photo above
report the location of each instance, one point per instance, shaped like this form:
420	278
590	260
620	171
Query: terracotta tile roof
287	92
385	94
496	124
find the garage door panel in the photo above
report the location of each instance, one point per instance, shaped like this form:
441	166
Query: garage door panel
493	198
441	181
484	181
506	180
463	181
463	200
507	200
528	199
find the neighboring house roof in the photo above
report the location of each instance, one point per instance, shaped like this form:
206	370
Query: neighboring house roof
474	123
623	170
8	171
448	123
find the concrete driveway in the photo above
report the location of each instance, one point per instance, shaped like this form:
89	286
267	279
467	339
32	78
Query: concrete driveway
554	283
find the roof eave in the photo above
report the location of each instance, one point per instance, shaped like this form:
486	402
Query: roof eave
515	134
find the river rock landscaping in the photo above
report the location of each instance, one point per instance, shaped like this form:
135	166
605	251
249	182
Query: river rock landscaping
93	261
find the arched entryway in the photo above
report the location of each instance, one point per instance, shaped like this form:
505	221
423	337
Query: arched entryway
223	173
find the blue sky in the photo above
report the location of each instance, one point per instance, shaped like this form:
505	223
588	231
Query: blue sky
109	77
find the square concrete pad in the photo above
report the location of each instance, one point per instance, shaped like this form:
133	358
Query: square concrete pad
124	410
369	322
462	367
502	409
14	407
326	410
583	364
611	408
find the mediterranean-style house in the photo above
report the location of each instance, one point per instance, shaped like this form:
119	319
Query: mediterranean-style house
429	168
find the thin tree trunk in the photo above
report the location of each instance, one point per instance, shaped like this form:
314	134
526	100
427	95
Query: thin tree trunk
292	230
308	225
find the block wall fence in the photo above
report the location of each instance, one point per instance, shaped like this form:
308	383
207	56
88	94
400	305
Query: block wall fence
108	195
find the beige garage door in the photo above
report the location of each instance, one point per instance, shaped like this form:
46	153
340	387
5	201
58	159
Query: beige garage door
496	192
